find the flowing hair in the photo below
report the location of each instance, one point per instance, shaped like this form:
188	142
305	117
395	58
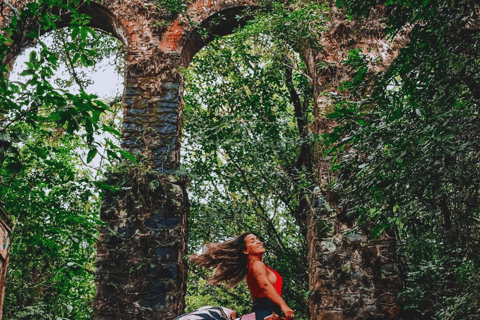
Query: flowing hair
228	259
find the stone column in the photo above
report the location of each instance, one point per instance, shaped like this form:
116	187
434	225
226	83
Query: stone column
351	275
140	269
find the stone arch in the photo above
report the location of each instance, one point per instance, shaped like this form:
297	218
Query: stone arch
228	23
102	19
225	22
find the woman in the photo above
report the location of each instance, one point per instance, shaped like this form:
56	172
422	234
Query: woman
242	256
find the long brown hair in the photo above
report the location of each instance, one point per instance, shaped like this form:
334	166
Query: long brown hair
228	258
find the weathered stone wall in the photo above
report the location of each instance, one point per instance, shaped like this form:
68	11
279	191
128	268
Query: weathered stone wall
351	275
140	271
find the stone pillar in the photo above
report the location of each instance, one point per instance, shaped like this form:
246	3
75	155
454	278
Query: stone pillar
140	269
151	123
351	276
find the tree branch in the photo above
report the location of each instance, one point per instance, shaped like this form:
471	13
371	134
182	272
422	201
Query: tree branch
70	64
299	114
15	11
252	194
20	116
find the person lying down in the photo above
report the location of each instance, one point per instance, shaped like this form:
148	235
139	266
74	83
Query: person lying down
220	313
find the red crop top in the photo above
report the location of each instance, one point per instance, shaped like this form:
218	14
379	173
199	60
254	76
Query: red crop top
255	290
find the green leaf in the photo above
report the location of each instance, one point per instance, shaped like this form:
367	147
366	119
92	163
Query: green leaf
84	59
75	57
91	154
83	33
33	56
127	155
154	184
49	3
75	31
111	130
361	122
112	155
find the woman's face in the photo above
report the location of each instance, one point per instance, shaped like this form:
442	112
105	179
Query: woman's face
253	245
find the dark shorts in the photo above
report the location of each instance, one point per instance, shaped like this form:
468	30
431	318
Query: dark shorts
264	307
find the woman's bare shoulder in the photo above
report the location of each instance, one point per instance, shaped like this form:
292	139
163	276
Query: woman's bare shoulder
258	267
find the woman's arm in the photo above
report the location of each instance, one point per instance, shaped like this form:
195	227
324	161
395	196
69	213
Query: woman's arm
259	272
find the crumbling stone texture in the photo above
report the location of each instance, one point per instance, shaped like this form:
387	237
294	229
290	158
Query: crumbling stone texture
326	66
140	269
352	276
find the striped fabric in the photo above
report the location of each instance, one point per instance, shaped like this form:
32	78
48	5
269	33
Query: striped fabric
208	313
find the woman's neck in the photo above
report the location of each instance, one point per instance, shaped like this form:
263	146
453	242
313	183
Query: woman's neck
254	257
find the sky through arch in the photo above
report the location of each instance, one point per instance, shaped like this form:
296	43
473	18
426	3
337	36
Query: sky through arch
104	78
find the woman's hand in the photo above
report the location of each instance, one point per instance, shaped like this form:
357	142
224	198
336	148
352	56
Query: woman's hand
289	313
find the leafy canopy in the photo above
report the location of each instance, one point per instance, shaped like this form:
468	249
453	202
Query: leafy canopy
407	151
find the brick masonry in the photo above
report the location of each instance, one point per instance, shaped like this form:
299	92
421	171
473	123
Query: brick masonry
141	273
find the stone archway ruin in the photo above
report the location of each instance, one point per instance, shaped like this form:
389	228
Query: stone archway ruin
351	277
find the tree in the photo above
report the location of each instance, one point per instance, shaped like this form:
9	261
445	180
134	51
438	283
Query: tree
56	225
37	101
54	196
47	134
247	152
407	151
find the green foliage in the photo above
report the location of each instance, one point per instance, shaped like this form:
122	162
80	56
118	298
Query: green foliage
242	143
173	6
87	49
26	105
48	195
201	294
407	155
56	226
297	24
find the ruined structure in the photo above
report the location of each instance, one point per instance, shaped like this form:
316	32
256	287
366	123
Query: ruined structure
141	273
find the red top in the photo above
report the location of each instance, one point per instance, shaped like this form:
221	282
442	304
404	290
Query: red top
255	290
